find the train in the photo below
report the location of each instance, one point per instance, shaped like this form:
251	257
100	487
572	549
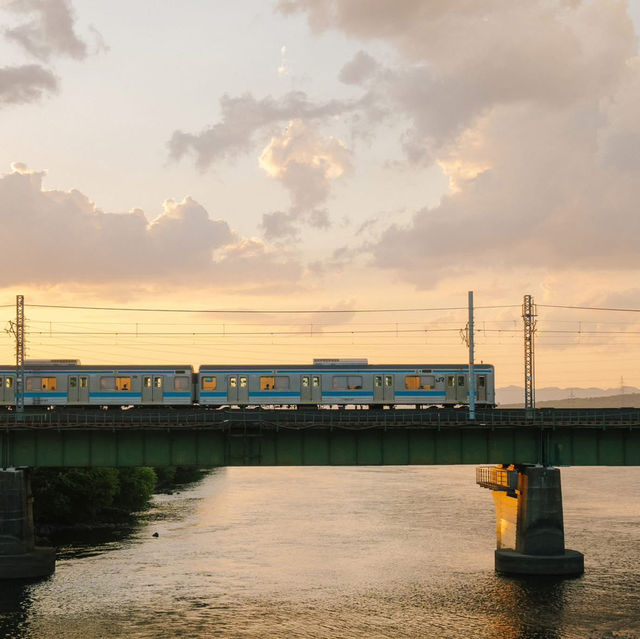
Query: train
330	383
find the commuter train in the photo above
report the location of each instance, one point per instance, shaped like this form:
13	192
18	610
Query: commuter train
326	383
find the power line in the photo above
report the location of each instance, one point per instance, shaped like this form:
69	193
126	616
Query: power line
263	311
246	333
590	308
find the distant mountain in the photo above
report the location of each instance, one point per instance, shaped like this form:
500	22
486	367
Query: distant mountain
515	394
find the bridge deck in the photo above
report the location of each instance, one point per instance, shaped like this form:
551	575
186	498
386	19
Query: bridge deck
209	438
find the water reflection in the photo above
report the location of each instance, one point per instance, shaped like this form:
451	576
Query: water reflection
333	553
15	603
531	607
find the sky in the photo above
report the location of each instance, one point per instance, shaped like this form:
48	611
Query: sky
327	157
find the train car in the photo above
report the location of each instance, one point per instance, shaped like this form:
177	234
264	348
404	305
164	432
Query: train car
343	382
68	383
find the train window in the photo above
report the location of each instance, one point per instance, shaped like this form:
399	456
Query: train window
339	382
305	382
354	382
243	382
460	380
146	382
233	382
8	382
33	383
181	383
378	382
157	382
481	381
41	383
388	380
267	383
209	383
451	380
73	382
316	382
84	382
108	383
412	382
427	382
282	382
123	383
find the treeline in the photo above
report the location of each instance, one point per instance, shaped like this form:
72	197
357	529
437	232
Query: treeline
80	496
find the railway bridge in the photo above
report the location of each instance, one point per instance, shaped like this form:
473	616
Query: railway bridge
524	449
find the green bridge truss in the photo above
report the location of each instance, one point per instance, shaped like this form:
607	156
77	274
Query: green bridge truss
233	437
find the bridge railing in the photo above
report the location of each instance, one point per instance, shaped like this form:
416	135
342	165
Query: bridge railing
496	478
199	417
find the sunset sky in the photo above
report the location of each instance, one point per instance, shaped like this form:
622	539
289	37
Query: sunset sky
327	156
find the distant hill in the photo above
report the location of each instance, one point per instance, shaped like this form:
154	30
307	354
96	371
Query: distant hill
627	400
512	396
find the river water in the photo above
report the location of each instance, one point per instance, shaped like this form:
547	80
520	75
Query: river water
340	553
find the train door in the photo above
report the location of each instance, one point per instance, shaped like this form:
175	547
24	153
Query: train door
450	392
462	389
310	389
9	390
378	390
481	388
147	389
305	389
388	391
157	391
78	390
238	389
232	389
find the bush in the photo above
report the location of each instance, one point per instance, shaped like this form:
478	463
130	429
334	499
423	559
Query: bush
72	496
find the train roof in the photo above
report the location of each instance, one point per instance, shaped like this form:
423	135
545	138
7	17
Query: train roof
97	367
340	366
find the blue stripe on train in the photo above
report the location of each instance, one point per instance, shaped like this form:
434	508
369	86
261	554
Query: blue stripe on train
44	395
347	393
274	393
420	393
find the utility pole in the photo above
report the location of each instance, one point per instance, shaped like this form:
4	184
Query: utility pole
17	330
528	315
472	376
19	353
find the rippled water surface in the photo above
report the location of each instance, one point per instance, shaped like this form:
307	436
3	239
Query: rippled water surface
340	552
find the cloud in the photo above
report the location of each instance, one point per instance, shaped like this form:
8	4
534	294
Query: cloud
45	30
61	237
359	69
25	83
245	119
530	111
50	31
305	163
285	225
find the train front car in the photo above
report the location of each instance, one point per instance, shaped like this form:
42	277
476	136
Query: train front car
443	385
341	383
355	382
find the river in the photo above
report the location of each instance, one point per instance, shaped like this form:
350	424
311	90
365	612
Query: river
341	553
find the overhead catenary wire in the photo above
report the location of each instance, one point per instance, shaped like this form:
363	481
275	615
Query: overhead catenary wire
264	311
590	308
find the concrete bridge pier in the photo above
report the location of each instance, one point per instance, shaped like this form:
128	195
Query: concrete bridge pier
19	557
529	521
